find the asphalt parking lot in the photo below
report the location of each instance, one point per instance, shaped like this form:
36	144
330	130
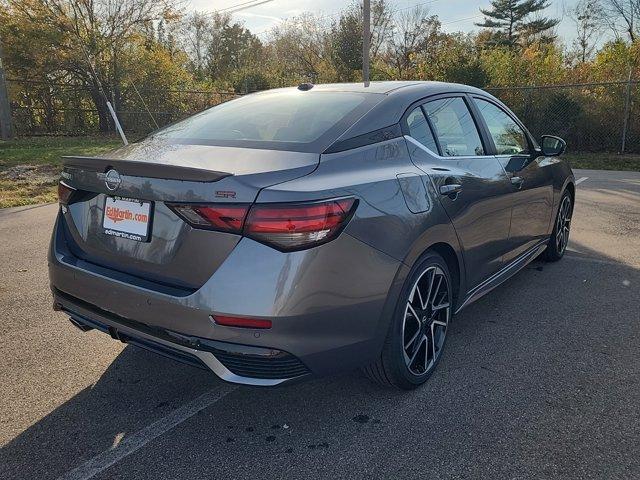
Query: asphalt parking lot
541	379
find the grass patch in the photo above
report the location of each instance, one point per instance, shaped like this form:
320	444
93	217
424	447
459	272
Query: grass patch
604	161
48	150
15	194
29	167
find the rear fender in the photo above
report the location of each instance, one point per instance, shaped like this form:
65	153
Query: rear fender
383	220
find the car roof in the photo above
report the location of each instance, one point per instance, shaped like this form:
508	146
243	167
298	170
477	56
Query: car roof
391	87
374	87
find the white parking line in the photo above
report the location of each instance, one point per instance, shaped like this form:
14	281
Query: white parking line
136	441
580	180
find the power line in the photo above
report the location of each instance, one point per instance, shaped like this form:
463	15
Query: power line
238	7
461	19
235	6
249	6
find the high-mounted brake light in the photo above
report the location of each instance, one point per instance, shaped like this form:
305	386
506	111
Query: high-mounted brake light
296	226
64	193
284	226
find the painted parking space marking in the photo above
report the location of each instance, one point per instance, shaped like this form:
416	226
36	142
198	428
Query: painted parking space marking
580	180
134	442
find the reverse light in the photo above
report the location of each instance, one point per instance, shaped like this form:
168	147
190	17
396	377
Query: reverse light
284	226
241	322
64	193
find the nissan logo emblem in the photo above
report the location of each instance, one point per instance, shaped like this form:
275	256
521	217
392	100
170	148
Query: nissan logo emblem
112	180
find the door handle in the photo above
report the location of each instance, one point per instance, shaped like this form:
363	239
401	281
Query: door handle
517	181
450	189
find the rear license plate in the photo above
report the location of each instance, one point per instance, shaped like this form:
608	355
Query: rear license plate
127	218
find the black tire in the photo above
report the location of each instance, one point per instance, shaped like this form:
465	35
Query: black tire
391	368
557	244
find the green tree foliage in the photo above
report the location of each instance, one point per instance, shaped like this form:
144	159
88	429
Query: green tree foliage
299	50
71	54
346	44
513	22
83	43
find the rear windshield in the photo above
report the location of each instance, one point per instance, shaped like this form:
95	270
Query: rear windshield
283	120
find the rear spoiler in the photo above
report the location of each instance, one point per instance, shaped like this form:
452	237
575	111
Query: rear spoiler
144	169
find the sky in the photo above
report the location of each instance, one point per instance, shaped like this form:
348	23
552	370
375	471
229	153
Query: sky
455	15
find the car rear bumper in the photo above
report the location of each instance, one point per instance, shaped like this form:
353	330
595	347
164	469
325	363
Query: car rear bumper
329	308
232	363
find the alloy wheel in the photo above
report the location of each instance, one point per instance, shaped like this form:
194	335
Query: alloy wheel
563	223
426	318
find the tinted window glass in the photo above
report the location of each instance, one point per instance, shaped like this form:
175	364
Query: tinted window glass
454	127
419	129
507	135
285	117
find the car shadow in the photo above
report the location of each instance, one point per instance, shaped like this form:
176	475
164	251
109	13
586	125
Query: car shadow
505	350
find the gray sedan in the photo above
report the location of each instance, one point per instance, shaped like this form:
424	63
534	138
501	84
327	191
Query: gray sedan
304	231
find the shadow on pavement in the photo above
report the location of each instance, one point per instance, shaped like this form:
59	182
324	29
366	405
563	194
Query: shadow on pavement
541	377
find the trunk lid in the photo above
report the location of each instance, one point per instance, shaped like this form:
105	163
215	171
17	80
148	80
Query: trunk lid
159	173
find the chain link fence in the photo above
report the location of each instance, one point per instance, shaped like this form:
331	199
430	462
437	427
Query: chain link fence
44	108
591	117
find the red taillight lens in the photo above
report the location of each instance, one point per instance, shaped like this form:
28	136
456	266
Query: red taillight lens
225	218
64	193
241	322
296	226
285	226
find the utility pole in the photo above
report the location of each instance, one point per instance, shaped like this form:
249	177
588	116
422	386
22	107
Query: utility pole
6	130
366	37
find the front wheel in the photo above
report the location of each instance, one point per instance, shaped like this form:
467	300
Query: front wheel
418	331
560	235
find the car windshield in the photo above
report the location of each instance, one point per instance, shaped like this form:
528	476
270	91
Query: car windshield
286	119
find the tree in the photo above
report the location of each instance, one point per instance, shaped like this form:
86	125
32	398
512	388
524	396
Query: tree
299	50
346	44
512	25
586	16
76	54
416	37
455	58
621	16
237	52
200	37
88	38
346	37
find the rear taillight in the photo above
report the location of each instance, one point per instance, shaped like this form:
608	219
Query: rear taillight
296	226
224	218
64	193
284	226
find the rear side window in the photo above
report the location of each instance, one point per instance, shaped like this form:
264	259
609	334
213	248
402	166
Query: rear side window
507	135
288	120
419	129
454	127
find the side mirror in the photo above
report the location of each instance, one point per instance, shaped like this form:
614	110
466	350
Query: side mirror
552	146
